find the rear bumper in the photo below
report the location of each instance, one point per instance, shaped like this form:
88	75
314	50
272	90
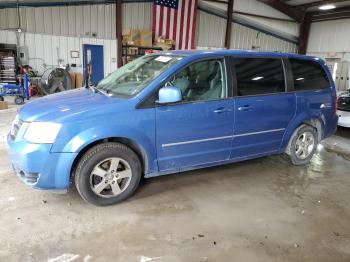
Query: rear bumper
37	167
330	126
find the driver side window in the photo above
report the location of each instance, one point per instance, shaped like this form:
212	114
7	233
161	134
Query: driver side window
200	81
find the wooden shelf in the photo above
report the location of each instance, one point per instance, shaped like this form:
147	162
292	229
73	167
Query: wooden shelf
143	47
126	55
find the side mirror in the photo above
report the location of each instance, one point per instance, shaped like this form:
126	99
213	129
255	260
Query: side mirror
169	94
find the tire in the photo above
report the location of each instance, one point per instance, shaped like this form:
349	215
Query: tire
2	98
19	100
303	145
112	163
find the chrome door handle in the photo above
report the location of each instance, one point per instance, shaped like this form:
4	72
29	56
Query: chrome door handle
222	110
325	106
244	108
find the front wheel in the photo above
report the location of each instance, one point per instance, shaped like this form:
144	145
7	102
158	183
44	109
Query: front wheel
107	174
303	145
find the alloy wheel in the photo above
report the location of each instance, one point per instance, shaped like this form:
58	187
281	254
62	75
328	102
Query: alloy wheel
304	145
110	177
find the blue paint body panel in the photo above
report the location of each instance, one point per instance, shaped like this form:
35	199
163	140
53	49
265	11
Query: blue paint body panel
174	137
193	122
268	112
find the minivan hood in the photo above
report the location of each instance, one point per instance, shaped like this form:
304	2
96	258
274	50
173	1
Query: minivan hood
60	106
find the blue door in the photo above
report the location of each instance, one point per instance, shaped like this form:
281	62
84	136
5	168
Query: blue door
199	129
93	63
261	123
263	109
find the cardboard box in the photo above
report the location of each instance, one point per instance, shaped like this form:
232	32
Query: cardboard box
146	38
72	76
164	46
134	37
169	42
125	39
3	105
160	40
79	79
131	37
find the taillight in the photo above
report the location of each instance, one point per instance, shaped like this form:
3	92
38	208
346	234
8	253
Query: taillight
335	103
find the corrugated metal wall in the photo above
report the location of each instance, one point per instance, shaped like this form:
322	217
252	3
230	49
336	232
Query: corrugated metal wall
288	28
246	38
330	36
210	30
68	28
78	20
45	50
137	15
53	30
211	33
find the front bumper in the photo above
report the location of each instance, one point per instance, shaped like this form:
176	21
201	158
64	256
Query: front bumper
37	167
344	118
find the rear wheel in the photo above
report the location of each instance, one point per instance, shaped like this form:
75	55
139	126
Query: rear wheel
303	145
107	174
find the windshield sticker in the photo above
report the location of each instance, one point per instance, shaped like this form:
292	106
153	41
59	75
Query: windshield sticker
163	59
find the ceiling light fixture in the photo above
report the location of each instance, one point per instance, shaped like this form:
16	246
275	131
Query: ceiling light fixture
326	7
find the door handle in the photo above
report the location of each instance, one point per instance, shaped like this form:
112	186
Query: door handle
222	110
244	108
327	105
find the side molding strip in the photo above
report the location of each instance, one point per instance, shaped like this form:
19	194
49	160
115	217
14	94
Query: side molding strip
221	137
196	141
260	132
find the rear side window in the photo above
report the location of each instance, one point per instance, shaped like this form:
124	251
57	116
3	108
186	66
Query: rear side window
257	76
308	75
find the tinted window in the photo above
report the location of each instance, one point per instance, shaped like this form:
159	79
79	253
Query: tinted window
203	80
308	75
256	76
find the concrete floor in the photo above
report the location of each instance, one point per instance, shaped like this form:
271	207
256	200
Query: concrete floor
259	210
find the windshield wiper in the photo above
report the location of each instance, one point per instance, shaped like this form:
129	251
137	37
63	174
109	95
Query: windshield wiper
98	90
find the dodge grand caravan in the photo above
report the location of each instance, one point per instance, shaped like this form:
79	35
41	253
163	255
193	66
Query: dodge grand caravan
170	112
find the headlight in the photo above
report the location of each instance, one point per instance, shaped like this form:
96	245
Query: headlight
42	132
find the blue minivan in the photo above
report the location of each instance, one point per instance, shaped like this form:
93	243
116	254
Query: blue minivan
170	112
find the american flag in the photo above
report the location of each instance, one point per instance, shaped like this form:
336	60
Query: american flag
175	19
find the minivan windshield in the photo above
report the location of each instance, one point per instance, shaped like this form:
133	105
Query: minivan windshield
131	78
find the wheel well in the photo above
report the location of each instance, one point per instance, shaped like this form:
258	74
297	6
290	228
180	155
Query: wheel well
315	123
127	142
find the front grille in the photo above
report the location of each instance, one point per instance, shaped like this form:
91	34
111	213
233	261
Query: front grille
16	125
344	103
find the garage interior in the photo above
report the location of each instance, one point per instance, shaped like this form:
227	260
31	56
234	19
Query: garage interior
257	210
